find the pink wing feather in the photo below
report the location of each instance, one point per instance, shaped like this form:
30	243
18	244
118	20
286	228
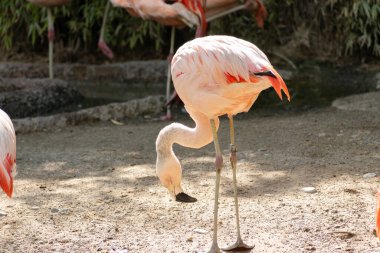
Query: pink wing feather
217	73
7	153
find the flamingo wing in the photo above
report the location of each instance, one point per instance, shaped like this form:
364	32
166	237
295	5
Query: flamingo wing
224	72
197	7
7	153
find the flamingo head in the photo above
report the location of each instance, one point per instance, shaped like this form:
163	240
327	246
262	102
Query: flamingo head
169	171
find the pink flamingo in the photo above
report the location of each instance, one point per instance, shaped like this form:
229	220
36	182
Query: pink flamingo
7	153
214	76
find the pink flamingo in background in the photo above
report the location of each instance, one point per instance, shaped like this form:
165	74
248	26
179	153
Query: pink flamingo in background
179	13
7	153
213	76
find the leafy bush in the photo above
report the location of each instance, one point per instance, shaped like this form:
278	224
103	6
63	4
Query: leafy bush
77	25
362	30
326	28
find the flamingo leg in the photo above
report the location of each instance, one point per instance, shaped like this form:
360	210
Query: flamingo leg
168	115
51	41
102	45
218	166
239	245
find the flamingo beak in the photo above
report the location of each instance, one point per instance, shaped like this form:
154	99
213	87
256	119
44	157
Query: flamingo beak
185	198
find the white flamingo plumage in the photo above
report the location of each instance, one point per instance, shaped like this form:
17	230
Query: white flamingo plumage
7	153
214	76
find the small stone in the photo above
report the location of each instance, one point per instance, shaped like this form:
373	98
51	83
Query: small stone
64	211
369	175
309	189
54	210
189	239
65	240
34	207
3	213
311	248
200	231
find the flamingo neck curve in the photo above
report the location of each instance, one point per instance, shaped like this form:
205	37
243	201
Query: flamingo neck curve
168	167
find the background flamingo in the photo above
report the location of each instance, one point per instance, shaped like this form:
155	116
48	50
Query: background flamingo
7	153
49	4
213	76
179	13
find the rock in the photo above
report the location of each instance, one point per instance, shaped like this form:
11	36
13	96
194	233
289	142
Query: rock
23	97
34	207
132	108
189	239
200	231
309	189
3	213
369	175
54	210
368	102
145	71
64	210
377	79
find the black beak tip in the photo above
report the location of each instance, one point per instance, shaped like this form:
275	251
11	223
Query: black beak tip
183	197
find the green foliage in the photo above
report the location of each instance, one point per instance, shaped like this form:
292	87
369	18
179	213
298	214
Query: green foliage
362	27
325	28
236	24
77	25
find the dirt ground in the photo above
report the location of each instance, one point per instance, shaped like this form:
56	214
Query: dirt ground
92	188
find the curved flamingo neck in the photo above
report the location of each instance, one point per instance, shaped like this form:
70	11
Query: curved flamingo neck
196	137
168	167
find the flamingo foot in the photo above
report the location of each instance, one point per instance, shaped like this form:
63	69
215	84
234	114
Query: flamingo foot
105	49
238	246
214	249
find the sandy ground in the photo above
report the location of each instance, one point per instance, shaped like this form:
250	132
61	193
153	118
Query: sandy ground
92	188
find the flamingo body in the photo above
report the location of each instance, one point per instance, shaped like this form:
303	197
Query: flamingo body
7	153
219	75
